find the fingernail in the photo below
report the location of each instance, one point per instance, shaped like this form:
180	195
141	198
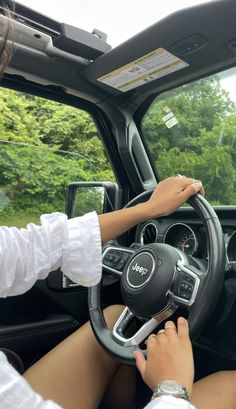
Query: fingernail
169	324
182	320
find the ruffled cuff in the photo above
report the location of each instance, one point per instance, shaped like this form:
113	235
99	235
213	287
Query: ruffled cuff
82	255
55	236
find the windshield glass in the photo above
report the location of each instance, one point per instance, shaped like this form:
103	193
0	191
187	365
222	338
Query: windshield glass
192	131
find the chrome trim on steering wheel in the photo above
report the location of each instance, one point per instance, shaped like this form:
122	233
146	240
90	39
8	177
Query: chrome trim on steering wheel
144	331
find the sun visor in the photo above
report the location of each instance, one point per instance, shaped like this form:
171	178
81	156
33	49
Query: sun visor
185	42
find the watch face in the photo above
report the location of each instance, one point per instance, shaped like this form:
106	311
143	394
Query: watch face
171	387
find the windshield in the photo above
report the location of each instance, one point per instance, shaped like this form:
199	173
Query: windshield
192	131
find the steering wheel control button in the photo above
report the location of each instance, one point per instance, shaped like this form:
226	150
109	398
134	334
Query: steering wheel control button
185	290
140	270
184	286
122	261
112	258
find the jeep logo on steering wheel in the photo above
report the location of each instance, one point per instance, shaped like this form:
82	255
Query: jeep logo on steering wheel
140	269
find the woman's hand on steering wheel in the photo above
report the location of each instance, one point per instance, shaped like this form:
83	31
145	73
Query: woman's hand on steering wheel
166	198
170	194
169	357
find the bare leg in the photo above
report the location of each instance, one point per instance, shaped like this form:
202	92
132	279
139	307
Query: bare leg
76	373
216	391
121	391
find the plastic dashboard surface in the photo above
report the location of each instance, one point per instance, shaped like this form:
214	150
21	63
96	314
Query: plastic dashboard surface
183	229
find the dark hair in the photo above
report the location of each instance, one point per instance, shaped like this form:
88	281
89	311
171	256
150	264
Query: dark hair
6	42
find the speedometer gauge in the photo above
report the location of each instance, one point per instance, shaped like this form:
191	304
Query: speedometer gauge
181	236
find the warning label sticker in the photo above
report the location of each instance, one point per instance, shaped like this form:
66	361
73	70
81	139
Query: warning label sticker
168	117
151	66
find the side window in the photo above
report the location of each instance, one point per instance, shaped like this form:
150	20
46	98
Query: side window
44	146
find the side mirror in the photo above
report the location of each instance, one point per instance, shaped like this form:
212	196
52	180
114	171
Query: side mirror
84	197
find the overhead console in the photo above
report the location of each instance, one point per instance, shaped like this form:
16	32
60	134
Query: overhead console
82	43
70	39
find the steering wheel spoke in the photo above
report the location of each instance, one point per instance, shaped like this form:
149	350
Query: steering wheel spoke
126	318
115	258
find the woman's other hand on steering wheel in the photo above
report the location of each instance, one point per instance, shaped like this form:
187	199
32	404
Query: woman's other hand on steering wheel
169	357
170	194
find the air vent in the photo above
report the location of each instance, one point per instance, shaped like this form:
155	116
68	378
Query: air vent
149	233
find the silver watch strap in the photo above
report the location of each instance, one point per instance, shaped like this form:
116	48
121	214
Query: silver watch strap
161	390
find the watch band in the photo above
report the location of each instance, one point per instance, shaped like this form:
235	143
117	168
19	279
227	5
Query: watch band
170	388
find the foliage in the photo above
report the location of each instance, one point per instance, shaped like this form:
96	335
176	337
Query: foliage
201	142
214	166
88	200
44	146
17	124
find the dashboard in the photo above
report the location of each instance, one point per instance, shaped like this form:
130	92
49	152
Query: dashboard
185	231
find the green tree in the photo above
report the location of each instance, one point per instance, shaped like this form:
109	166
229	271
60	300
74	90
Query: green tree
214	166
68	129
199	140
17	124
43	147
200	105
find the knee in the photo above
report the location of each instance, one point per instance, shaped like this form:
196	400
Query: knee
229	376
112	313
227	380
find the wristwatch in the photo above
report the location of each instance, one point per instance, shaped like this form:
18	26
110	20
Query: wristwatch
170	388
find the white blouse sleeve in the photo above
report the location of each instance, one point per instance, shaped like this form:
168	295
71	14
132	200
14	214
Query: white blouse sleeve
169	402
15	392
29	254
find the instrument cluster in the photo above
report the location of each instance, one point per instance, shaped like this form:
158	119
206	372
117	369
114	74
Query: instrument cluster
189	238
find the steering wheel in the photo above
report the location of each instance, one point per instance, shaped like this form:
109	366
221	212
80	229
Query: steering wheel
156	279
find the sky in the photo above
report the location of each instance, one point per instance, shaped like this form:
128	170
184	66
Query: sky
119	19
